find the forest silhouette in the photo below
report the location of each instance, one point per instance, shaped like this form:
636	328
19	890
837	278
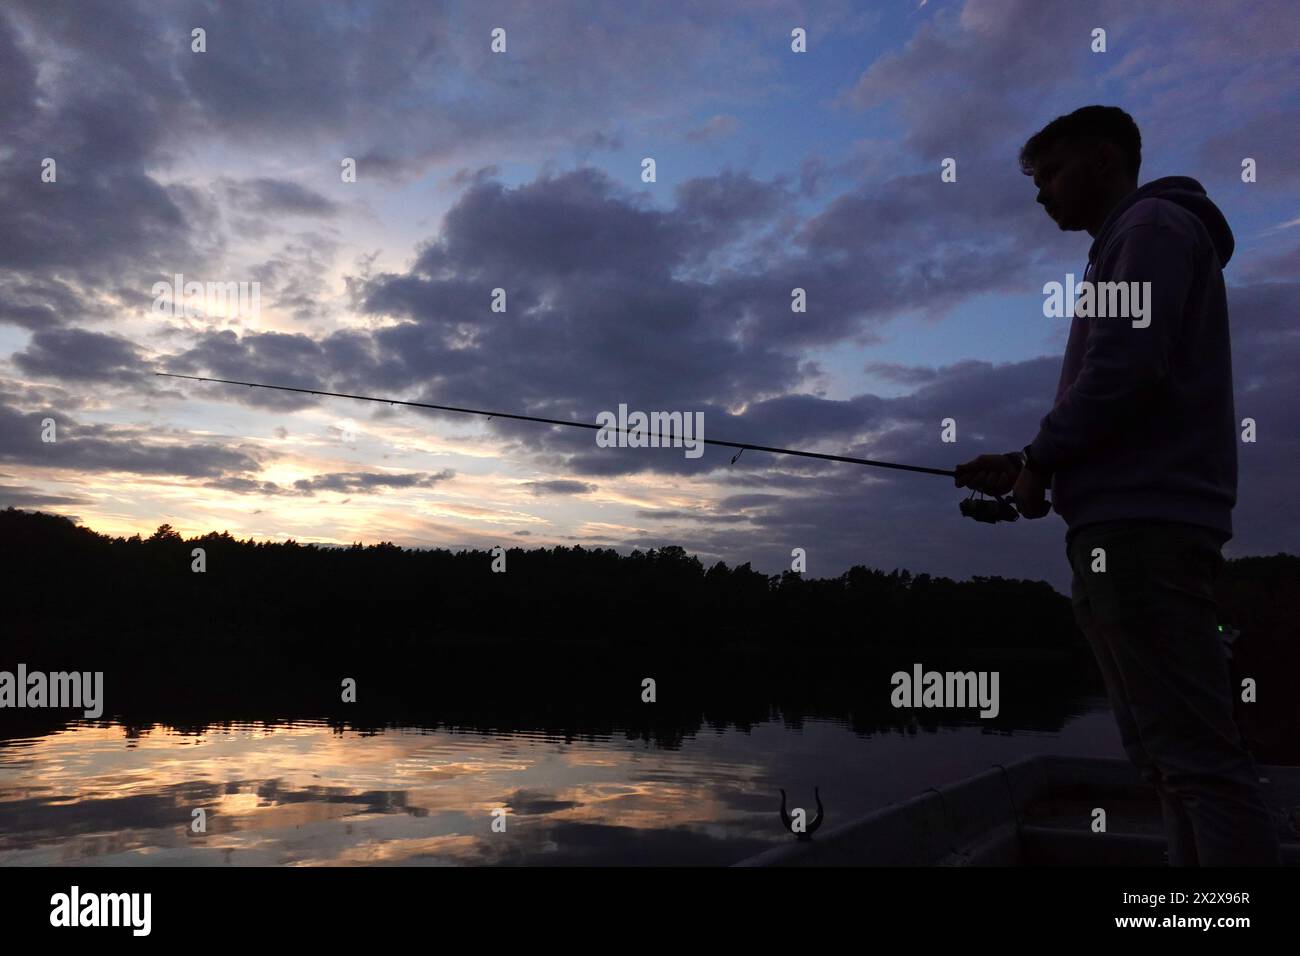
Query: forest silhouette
556	640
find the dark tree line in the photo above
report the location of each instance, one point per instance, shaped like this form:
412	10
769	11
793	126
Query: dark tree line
67	583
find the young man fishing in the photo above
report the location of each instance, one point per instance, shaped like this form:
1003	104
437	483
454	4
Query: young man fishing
1140	452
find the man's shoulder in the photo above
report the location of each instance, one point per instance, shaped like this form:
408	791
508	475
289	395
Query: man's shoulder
1160	213
1153	219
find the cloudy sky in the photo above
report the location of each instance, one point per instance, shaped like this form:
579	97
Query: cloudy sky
523	170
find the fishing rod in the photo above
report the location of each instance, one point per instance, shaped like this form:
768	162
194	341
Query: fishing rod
981	510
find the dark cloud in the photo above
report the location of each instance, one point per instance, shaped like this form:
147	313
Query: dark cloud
246	486
702	516
107	448
358	483
22	395
368	482
78	355
38	303
587	325
560	486
105	220
273	358
17	496
900	374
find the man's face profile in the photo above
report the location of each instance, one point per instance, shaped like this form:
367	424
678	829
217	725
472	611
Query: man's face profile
1067	184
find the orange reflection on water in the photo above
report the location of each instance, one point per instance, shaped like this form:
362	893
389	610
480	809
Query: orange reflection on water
308	794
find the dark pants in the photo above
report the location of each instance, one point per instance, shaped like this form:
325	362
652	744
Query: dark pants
1152	623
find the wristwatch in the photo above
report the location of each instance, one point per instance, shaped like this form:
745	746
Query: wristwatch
1027	461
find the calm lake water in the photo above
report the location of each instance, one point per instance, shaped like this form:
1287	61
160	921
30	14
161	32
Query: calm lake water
305	793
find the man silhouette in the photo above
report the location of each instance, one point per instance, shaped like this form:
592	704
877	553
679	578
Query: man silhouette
1140	452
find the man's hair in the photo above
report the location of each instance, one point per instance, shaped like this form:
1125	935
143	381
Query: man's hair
1109	123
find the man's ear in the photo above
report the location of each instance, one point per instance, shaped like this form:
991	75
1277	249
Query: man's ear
1107	158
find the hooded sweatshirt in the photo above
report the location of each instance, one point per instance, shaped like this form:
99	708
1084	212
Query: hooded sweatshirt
1143	426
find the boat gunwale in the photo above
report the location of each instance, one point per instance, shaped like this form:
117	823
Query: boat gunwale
967	821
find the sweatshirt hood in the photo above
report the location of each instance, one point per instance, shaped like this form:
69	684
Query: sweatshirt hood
1189	194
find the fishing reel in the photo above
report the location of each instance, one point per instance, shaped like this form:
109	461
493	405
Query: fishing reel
989	510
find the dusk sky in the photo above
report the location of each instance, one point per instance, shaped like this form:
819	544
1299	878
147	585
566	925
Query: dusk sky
522	170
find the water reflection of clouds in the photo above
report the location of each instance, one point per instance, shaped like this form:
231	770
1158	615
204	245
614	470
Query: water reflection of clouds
308	794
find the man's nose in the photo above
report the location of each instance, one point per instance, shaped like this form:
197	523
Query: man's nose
1042	197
